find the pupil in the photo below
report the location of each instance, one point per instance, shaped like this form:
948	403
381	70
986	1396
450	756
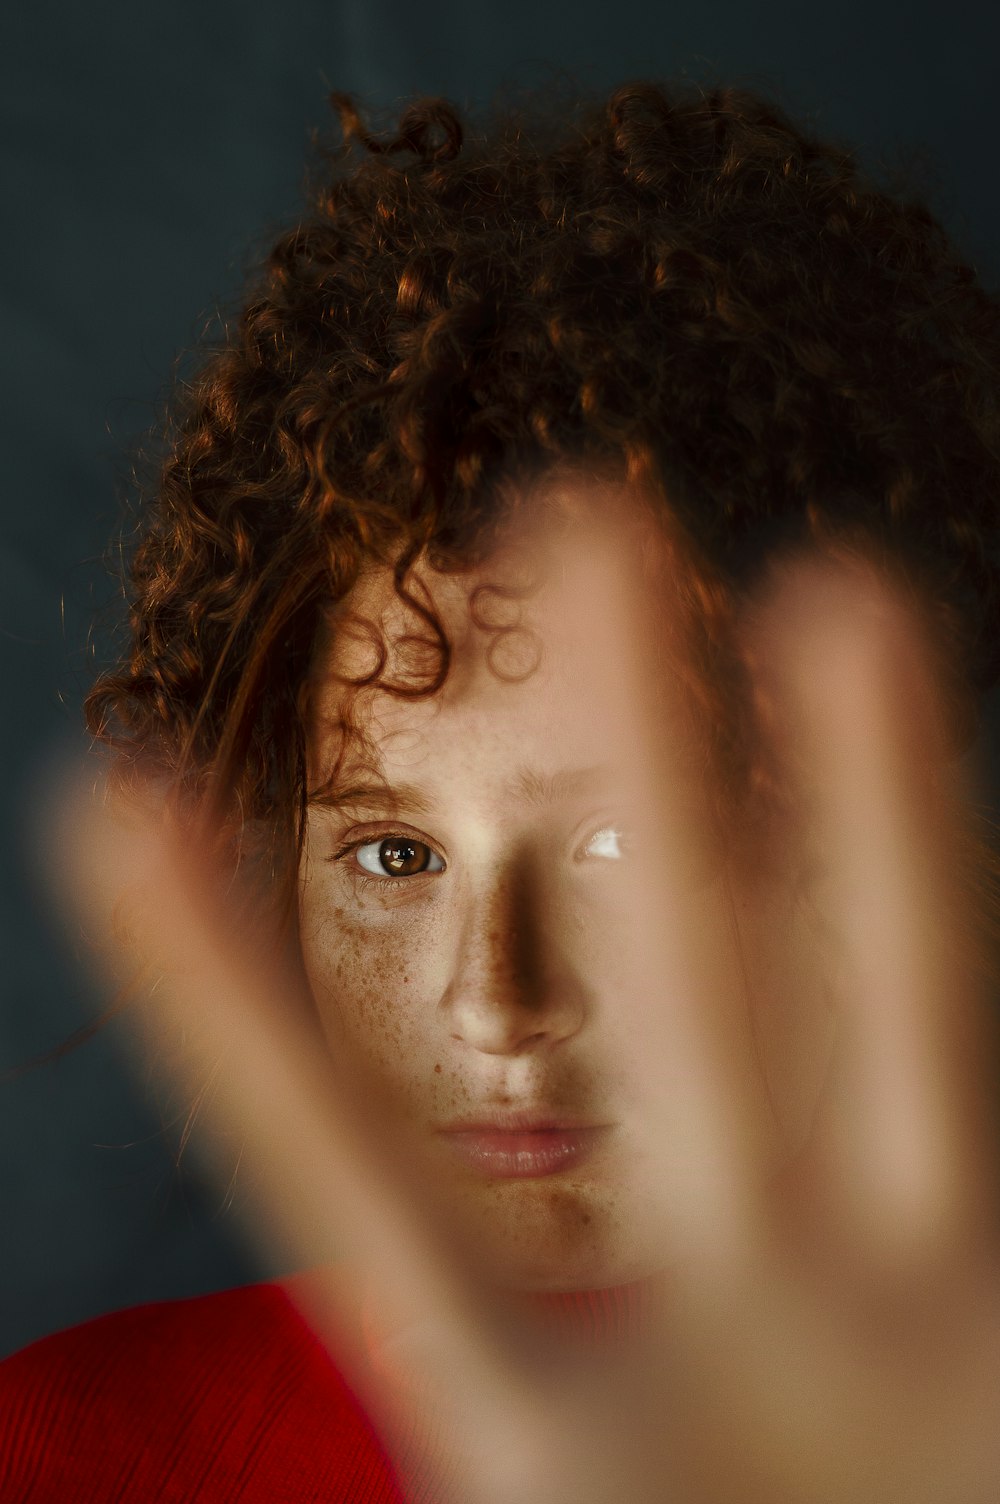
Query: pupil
403	858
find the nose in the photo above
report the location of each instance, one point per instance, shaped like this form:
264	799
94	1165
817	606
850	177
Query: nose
511	989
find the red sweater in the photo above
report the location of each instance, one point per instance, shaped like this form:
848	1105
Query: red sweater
215	1400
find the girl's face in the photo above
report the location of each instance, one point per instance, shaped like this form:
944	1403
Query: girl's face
465	925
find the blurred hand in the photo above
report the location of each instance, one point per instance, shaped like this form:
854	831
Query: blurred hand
829	1337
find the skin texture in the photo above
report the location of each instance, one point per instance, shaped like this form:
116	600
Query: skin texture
502	979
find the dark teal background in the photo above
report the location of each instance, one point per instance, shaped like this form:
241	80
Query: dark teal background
145	150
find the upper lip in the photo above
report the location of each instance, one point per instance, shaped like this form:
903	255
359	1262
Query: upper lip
519	1120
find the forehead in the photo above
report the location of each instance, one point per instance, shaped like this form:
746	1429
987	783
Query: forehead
537	686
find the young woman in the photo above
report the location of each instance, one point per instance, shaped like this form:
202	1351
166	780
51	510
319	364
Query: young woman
566	594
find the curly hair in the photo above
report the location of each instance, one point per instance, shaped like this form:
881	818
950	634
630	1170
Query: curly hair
681	286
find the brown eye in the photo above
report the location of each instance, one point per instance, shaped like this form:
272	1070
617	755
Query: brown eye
398	856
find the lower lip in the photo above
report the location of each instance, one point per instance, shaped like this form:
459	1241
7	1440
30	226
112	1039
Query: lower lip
520	1155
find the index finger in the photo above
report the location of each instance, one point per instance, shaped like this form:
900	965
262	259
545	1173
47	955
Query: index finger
327	1177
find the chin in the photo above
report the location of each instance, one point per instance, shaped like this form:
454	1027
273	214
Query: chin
542	1236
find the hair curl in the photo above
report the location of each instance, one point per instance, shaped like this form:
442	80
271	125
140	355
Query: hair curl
684	287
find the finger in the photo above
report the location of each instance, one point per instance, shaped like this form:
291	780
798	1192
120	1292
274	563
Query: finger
867	718
326	1178
685	1003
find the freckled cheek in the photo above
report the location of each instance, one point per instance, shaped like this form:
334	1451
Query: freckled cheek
378	980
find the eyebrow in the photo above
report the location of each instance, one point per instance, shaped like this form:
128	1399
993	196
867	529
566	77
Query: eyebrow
536	788
527	785
383	796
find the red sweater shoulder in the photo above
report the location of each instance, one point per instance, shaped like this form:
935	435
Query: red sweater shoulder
223	1399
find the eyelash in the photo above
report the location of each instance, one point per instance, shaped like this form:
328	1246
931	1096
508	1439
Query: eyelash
394	884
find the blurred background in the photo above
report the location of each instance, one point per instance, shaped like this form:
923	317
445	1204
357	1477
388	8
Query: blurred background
149	154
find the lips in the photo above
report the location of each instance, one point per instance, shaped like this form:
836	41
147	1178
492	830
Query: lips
520	1145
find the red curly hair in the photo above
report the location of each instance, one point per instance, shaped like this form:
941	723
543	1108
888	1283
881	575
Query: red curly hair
681	287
